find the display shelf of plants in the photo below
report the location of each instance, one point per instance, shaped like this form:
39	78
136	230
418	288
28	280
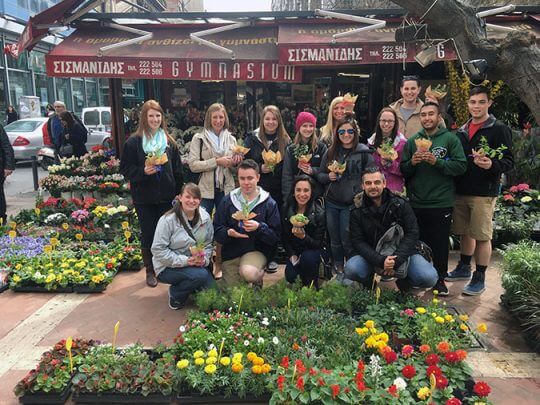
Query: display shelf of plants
280	345
74	244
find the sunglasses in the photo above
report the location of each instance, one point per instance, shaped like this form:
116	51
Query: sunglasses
350	131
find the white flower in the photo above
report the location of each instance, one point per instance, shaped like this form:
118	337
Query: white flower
400	383
275	340
111	211
211	347
182	328
274	318
260	340
258	313
374	365
122	208
265	322
246	342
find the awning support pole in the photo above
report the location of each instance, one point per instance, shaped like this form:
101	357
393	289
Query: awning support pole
144	36
196	36
373	23
117	114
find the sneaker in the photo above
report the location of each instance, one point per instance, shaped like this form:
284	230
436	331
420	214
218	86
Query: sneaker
441	288
475	287
173	304
272	267
461	272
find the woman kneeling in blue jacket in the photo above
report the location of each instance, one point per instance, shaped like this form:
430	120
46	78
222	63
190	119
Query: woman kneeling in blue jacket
182	247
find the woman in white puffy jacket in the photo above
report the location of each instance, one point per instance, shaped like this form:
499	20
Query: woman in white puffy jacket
182	247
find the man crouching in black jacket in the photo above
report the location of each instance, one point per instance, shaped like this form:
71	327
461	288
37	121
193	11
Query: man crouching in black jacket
376	210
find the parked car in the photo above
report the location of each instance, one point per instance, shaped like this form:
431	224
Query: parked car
97	119
26	137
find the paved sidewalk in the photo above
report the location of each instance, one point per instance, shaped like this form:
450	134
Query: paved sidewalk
30	323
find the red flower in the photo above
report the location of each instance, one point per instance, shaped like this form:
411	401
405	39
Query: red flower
280	382
453	401
325	371
508	197
523	187
481	389
432	359
407	350
110	265
451	357
513	189
424	349
462	354
390	356
441	382
312	371
285	362
335	390
361	385
433	369
393	390
321	382
360	366
300	368
300	383
443	347
408	371
359	376
347	390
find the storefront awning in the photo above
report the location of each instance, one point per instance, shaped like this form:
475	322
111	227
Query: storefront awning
172	54
38	26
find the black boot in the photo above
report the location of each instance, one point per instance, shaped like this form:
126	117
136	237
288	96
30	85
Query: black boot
151	279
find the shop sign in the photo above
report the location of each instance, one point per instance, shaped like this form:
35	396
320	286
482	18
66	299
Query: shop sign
268	71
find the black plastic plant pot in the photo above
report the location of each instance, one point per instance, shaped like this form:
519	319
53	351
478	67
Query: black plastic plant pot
40	289
120	398
4	288
130	268
41	397
86	289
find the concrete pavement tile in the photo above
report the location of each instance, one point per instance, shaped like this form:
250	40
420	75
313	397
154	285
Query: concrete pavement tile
7	383
16	307
511	391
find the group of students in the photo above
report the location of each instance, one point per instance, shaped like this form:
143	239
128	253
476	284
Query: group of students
349	210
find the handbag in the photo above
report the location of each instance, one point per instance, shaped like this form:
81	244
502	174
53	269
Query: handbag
387	245
66	150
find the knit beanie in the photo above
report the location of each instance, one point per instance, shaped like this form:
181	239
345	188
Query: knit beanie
304	117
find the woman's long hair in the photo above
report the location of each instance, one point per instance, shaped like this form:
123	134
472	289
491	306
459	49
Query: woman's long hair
336	144
282	136
177	208
327	130
67	117
291	201
144	128
208	116
313	140
378	131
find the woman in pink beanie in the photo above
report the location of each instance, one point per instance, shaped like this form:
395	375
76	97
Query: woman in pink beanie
304	155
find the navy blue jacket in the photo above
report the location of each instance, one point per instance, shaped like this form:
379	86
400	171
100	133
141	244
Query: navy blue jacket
263	240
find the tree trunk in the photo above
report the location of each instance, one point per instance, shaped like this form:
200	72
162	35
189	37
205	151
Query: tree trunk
516	59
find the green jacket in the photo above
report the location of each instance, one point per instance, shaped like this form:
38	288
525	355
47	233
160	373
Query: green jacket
432	186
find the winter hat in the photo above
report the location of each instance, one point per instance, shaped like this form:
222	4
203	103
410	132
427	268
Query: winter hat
304	117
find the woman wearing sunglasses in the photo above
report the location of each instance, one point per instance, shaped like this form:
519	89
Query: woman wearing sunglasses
388	143
345	153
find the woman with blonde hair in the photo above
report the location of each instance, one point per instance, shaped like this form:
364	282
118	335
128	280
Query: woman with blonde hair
303	156
270	136
335	113
151	163
210	154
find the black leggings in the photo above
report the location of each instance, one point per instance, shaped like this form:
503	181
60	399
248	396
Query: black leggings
434	225
149	215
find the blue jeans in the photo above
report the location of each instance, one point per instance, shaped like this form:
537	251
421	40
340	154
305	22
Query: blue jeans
307	268
337	223
209	203
420	273
186	280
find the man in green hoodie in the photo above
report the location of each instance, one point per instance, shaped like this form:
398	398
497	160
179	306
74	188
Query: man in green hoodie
431	159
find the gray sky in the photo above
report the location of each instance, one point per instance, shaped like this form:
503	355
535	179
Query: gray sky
237	5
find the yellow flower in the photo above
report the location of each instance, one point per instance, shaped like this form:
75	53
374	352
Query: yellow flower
362	331
182	364
463	327
211	360
225	361
464	318
251	356
369	324
16	278
256	369
18	266
526	199
448	318
266	368
237	367
421	310
199	361
210	369
50	278
435	301
423	393
212	353
258	361
380	344
435	292
482	328
439	319
237	358
373	331
370	342
198	353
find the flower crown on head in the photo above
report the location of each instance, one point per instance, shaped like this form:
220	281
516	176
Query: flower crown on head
349	101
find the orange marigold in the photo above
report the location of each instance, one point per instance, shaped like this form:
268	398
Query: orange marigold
443	347
462	354
424	349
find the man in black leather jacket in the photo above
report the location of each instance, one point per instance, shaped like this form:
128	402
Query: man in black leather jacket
376	210
7	165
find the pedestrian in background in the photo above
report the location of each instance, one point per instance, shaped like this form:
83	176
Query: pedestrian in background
7	165
11	115
74	137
